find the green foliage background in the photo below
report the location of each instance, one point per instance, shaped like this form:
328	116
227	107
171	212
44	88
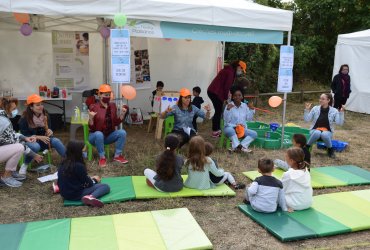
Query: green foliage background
316	26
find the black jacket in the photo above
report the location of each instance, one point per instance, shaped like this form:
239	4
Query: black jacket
337	86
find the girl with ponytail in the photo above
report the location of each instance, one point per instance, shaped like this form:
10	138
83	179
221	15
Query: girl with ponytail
297	181
167	177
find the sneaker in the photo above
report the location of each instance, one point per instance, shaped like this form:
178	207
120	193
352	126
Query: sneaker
17	176
120	159
216	134
23	169
239	186
102	162
331	153
236	150
149	183
246	150
2	184
11	182
92	201
55	188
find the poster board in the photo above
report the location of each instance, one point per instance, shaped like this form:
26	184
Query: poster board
164	99
120	55
70	59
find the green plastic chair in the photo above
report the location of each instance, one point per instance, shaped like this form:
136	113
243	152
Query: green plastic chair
21	161
89	146
169	123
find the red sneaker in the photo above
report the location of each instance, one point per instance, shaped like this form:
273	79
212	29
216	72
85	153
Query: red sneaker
120	159
92	201
55	188
102	162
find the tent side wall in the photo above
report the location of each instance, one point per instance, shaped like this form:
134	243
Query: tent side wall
357	56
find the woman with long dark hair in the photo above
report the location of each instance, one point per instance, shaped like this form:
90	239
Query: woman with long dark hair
219	88
341	86
167	177
73	181
184	113
323	118
35	122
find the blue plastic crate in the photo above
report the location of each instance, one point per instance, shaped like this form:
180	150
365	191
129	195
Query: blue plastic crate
338	146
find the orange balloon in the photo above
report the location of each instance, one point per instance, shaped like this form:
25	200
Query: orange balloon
22	17
275	101
128	92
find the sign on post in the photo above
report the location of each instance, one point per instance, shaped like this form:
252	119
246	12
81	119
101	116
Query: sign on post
285	78
120	53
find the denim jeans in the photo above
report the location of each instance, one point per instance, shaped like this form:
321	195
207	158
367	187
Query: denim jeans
97	190
324	135
99	140
37	146
231	134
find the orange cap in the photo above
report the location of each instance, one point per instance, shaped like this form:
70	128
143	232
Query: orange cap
35	98
184	92
243	65
104	88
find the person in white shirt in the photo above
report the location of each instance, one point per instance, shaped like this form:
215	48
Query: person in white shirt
297	181
236	115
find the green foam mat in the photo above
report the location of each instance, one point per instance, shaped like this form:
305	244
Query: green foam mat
48	234
12	234
325	177
143	191
121	189
180	230
330	214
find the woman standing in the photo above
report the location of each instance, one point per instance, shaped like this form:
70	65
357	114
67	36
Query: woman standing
236	115
341	86
36	122
184	113
323	117
219	90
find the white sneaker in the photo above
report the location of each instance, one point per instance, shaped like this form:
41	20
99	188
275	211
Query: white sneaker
23	169
246	150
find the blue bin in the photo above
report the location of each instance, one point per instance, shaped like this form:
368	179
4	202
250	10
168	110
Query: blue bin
338	146
274	126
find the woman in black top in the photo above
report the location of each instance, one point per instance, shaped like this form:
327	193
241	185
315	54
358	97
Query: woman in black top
73	181
341	86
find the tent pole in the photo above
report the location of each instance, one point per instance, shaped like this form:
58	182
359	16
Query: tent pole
284	102
105	79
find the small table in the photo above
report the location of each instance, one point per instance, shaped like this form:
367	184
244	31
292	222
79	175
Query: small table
49	100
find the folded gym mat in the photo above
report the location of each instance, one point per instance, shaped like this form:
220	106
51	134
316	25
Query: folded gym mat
332	176
135	187
163	229
330	214
143	191
121	189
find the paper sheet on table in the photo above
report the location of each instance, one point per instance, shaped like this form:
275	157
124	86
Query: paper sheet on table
50	177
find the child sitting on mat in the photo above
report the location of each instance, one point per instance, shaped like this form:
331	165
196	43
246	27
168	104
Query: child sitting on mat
297	181
265	192
73	181
167	177
227	178
300	141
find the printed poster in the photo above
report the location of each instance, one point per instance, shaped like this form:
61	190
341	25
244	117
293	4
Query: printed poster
285	78
120	56
70	59
142	69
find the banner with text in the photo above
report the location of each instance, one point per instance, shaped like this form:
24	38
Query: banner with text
120	55
285	78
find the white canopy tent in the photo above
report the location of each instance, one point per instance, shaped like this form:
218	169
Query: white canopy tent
354	49
27	61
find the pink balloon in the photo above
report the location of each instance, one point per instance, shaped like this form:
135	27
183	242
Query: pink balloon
26	29
104	32
128	92
275	101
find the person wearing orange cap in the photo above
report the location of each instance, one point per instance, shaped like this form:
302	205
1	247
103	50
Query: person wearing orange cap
184	113
218	91
103	122
35	121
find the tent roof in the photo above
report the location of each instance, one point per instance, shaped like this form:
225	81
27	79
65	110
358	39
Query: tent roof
229	13
356	38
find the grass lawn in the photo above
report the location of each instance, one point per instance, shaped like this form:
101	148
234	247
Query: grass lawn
225	226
